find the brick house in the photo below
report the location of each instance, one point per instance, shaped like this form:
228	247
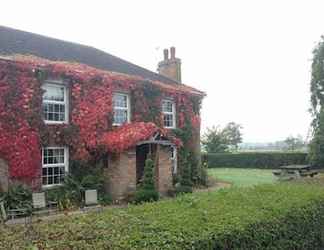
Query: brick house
61	101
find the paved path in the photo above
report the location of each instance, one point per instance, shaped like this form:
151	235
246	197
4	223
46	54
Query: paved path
59	215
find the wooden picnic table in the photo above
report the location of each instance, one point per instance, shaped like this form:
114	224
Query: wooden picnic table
294	172
296	167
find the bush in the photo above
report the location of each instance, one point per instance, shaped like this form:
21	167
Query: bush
284	216
268	160
18	196
181	189
83	176
146	190
145	195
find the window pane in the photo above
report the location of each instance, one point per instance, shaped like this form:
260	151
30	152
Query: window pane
120	116
53	174
56	180
167	106
53	93
54	112
168	120
120	100
49	180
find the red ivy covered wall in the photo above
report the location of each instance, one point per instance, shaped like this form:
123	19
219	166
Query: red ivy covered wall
23	132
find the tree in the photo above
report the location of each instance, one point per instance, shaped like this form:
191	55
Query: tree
218	140
232	133
316	152
294	143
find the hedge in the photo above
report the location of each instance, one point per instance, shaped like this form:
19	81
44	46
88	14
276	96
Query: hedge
283	216
268	160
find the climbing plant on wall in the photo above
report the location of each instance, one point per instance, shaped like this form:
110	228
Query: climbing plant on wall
90	130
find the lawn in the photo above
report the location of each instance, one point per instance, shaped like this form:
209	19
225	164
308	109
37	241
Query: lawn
242	177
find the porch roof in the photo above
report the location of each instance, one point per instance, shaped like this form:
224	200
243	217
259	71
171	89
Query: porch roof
132	134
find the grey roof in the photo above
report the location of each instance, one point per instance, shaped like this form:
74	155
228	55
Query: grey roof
14	41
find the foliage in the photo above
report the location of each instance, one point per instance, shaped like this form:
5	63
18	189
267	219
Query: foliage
183	189
266	160
18	196
81	178
146	190
145	195
184	184
232	133
316	147
294	143
90	132
317	109
219	140
283	216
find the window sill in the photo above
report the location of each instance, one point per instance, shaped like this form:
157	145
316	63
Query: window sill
55	123
45	187
170	127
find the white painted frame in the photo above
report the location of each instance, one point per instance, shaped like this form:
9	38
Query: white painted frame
128	109
174	159
173	113
66	164
65	102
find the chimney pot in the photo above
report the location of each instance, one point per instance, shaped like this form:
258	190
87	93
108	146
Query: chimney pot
166	54
170	68
172	50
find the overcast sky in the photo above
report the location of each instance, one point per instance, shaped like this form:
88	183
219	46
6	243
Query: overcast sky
252	58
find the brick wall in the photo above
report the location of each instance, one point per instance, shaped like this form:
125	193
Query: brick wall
120	174
4	176
164	169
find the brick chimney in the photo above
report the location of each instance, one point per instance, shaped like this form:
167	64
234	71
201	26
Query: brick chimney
170	67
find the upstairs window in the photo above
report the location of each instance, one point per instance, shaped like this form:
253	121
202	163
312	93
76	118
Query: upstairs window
55	165
168	110
121	109
55	103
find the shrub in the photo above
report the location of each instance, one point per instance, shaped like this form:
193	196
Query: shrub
145	195
83	176
267	160
146	190
18	196
181	189
284	216
185	184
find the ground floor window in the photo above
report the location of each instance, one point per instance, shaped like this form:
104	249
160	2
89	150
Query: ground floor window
55	165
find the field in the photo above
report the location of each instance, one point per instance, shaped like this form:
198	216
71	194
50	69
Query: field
241	177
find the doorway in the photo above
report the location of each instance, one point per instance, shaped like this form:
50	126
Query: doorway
142	152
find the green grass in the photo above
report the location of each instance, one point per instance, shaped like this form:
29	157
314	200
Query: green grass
242	177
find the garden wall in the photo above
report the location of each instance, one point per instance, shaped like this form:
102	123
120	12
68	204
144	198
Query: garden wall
266	160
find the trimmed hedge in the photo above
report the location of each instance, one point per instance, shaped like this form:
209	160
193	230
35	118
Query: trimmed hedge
283	216
267	160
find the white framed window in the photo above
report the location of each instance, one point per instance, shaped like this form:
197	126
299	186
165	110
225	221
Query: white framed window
55	165
121	106
169	113
55	103
173	152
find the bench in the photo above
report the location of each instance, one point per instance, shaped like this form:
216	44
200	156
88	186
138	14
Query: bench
277	172
309	173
